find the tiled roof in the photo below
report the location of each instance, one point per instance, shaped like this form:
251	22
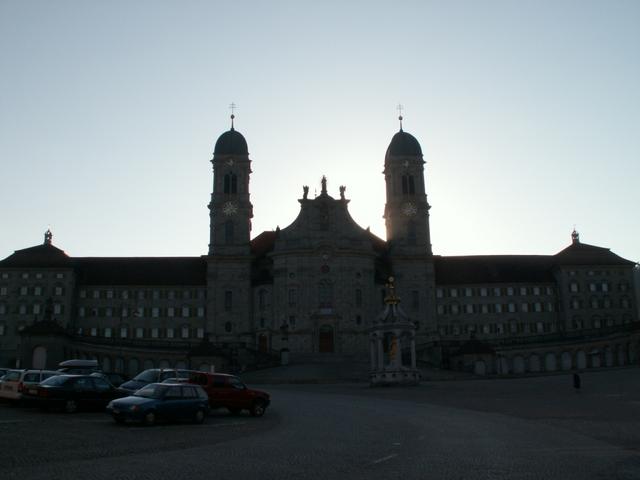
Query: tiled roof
583	254
141	270
493	269
45	255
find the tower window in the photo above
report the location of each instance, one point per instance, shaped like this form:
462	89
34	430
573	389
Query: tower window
230	183
228	300
228	232
408	185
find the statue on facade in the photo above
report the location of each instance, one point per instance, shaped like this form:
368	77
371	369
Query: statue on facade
342	189
305	190
323	182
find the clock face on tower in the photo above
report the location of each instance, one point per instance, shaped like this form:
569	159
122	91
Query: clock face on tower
229	208
409	209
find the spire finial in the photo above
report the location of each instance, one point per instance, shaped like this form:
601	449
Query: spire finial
575	236
48	236
232	107
400	108
323	183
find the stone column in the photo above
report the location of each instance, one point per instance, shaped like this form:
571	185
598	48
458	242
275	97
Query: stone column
372	351
380	354
413	352
398	360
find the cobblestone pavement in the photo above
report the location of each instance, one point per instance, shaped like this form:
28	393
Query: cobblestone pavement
533	428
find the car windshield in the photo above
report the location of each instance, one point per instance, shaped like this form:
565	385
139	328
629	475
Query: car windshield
147	376
56	381
151	391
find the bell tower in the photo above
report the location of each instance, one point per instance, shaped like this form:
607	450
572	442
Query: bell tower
230	210
406	212
406	217
229	261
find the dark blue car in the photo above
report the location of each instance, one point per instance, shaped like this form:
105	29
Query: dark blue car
162	401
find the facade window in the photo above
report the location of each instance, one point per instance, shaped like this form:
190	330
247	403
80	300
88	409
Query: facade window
139	312
524	307
500	329
155	333
184	332
537	307
439	293
605	287
455	309
536	290
155	295
483	292
594	302
468	292
185	312
227	327
497	291
5	275
292	297
59	275
262	299
573	287
453	292
125	294
596	322
125	312
358	297
96	294
36	309
440	310
141	295
3	309
83	293
201	311
37	291
469	308
123	332
292	321
513	326
512	307
171	312
228	300
262	323
485	328
415	300
510	291
108	312
170	333
200	332
57	309
93	332
523	290
23	291
592	287
155	312
110	294
325	294
25	275
107	332
549	307
3	291
358	319
171	295
484	308
139	332
624	303
498	308
539	327
39	275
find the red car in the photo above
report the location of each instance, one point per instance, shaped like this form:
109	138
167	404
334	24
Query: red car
228	391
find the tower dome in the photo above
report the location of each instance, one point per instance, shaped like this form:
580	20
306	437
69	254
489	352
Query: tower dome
404	144
231	142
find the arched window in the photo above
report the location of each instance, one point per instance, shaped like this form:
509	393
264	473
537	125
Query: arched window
408	185
230	183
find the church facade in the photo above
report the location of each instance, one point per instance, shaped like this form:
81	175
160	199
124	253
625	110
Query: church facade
315	287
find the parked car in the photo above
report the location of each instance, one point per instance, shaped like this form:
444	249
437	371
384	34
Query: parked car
73	392
152	375
79	367
19	385
162	401
115	379
228	391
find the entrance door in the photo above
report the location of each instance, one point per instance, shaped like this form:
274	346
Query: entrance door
325	338
263	343
39	358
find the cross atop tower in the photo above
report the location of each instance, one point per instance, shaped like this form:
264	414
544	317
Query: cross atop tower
400	108
232	107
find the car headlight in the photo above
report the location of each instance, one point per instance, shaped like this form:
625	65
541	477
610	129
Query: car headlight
134	408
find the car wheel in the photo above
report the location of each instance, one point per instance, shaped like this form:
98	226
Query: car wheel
70	406
199	416
234	411
150	418
258	408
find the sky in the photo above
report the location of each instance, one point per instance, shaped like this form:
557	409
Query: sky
528	114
